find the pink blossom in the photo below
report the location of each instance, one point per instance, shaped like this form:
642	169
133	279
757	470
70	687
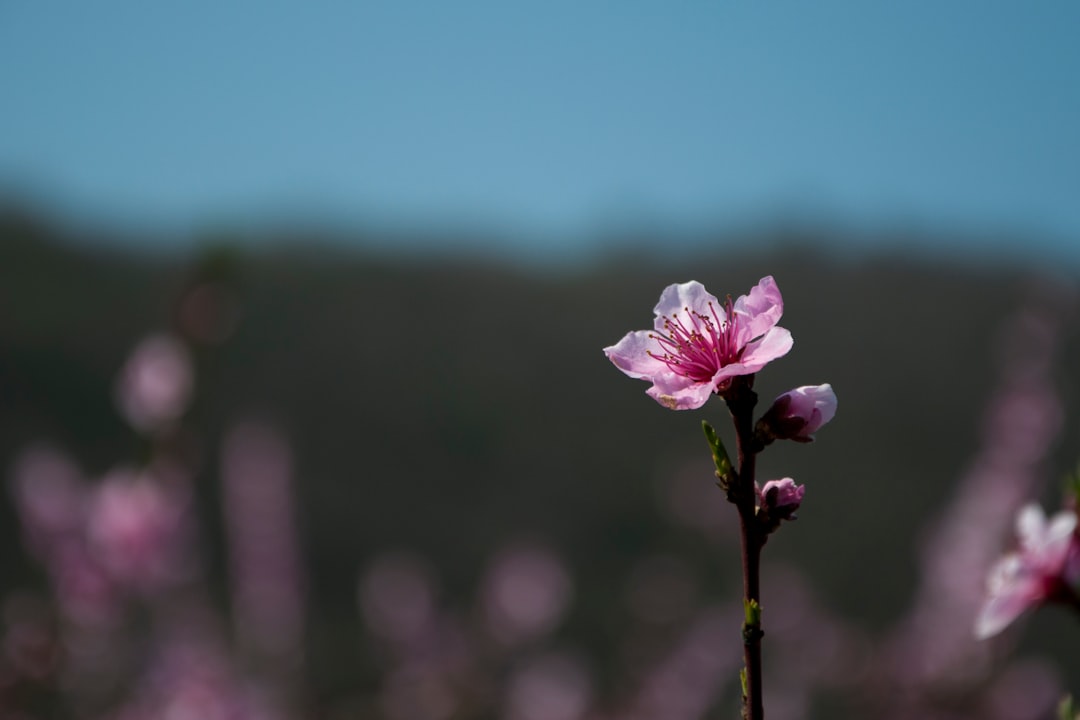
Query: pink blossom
526	593
83	590
698	344
50	497
1045	568
134	526
397	597
552	686
781	498
155	385
257	478
799	413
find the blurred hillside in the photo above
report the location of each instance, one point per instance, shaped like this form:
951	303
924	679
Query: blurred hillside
449	407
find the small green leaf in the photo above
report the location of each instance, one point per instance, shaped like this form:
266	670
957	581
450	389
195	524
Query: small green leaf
742	681
719	453
752	610
1067	708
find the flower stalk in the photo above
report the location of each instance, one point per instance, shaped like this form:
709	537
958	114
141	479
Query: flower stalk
700	347
741	401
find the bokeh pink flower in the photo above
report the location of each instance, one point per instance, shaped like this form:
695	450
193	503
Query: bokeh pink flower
135	527
698	344
1045	568
264	557
50	496
397	597
155	386
552	686
527	591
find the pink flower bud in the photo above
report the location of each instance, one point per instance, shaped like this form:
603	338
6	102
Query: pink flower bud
799	413
779	499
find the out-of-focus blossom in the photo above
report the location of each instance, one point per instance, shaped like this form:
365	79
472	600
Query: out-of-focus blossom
134	529
191	678
30	646
698	344
554	686
693	675
397	597
780	499
813	645
526	593
155	385
799	413
418	691
1045	568
434	674
50	496
1027	690
53	501
84	591
932	661
256	479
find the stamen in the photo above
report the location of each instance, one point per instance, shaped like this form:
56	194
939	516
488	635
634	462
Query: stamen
697	344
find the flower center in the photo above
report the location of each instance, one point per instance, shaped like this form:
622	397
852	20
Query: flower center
696	345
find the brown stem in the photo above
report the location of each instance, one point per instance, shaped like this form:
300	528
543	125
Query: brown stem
741	403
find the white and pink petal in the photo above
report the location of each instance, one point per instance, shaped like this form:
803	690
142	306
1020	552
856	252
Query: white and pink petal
999	611
1057	540
676	392
759	310
1030	526
1011	588
776	343
631	355
677	298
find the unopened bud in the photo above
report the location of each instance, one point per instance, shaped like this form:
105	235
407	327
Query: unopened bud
798	414
779	499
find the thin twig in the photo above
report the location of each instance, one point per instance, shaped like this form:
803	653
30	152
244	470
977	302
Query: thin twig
741	401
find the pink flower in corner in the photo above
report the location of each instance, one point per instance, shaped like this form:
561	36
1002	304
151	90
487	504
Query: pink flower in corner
1045	568
698	344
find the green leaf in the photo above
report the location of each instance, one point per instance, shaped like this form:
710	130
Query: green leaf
719	453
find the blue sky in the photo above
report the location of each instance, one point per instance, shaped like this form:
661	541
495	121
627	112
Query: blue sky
550	118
